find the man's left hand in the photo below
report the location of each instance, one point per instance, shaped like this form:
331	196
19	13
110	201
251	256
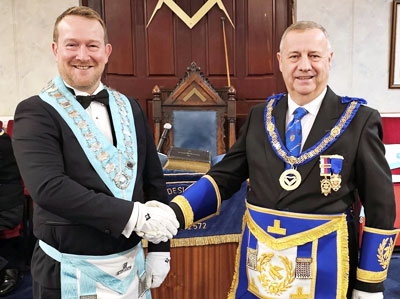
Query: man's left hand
157	268
365	295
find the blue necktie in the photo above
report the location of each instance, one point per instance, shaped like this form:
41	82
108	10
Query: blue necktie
293	133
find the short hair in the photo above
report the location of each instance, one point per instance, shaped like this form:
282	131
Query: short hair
81	11
302	26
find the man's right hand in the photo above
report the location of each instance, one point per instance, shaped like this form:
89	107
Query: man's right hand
156	222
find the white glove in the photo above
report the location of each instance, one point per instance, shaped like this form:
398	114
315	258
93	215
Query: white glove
156	222
365	295
157	268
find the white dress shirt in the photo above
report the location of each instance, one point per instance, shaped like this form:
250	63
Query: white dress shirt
97	112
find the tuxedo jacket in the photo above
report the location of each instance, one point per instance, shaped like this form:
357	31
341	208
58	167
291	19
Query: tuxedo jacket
74	211
365	172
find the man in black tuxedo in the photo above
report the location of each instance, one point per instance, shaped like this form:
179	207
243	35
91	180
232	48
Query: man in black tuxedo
88	159
309	155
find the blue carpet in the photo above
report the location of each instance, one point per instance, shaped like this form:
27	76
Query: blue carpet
392	283
24	290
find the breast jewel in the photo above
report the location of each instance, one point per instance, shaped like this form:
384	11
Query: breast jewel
116	166
290	179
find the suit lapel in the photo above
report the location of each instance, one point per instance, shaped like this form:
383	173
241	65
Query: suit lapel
327	117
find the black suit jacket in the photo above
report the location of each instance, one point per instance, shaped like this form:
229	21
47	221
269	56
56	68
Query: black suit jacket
74	210
365	170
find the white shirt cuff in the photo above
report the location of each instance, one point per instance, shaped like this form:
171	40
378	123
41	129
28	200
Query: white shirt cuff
131	222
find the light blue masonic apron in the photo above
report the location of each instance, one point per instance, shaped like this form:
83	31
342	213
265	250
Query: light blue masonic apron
120	275
114	276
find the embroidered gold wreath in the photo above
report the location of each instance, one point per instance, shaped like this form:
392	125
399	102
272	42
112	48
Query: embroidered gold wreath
385	252
270	281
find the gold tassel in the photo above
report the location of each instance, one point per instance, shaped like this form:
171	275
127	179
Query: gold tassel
343	258
201	241
235	280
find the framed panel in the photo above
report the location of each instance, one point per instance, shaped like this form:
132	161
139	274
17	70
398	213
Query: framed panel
121	61
394	75
160	41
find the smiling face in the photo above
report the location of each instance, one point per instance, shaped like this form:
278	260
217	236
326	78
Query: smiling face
81	52
305	60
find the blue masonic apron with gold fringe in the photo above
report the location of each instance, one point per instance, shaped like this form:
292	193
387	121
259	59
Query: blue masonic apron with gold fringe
294	255
291	255
117	167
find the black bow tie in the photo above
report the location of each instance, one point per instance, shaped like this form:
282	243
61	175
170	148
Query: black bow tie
101	97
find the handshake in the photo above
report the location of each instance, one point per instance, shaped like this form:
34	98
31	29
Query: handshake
156	222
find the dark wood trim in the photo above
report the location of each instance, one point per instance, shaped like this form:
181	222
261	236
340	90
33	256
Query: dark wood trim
394	42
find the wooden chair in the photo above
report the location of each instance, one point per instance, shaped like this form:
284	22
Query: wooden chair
201	117
204	118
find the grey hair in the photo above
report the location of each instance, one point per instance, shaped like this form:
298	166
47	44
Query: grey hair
302	26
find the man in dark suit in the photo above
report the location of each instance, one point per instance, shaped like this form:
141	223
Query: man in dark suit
309	155
11	214
88	159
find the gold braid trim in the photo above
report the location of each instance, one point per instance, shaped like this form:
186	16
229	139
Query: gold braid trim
235	280
343	259
217	194
187	211
201	241
379	231
293	214
297	239
371	276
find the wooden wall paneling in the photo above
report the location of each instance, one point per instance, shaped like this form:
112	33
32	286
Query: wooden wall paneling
240	41
97	5
216	51
283	17
161	53
244	106
183	40
260	37
198	36
211	270
140	45
116	17
160	41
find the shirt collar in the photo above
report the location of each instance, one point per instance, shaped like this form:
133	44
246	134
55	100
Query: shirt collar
83	93
312	107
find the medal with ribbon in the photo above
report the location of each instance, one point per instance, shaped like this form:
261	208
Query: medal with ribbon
290	179
330	166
